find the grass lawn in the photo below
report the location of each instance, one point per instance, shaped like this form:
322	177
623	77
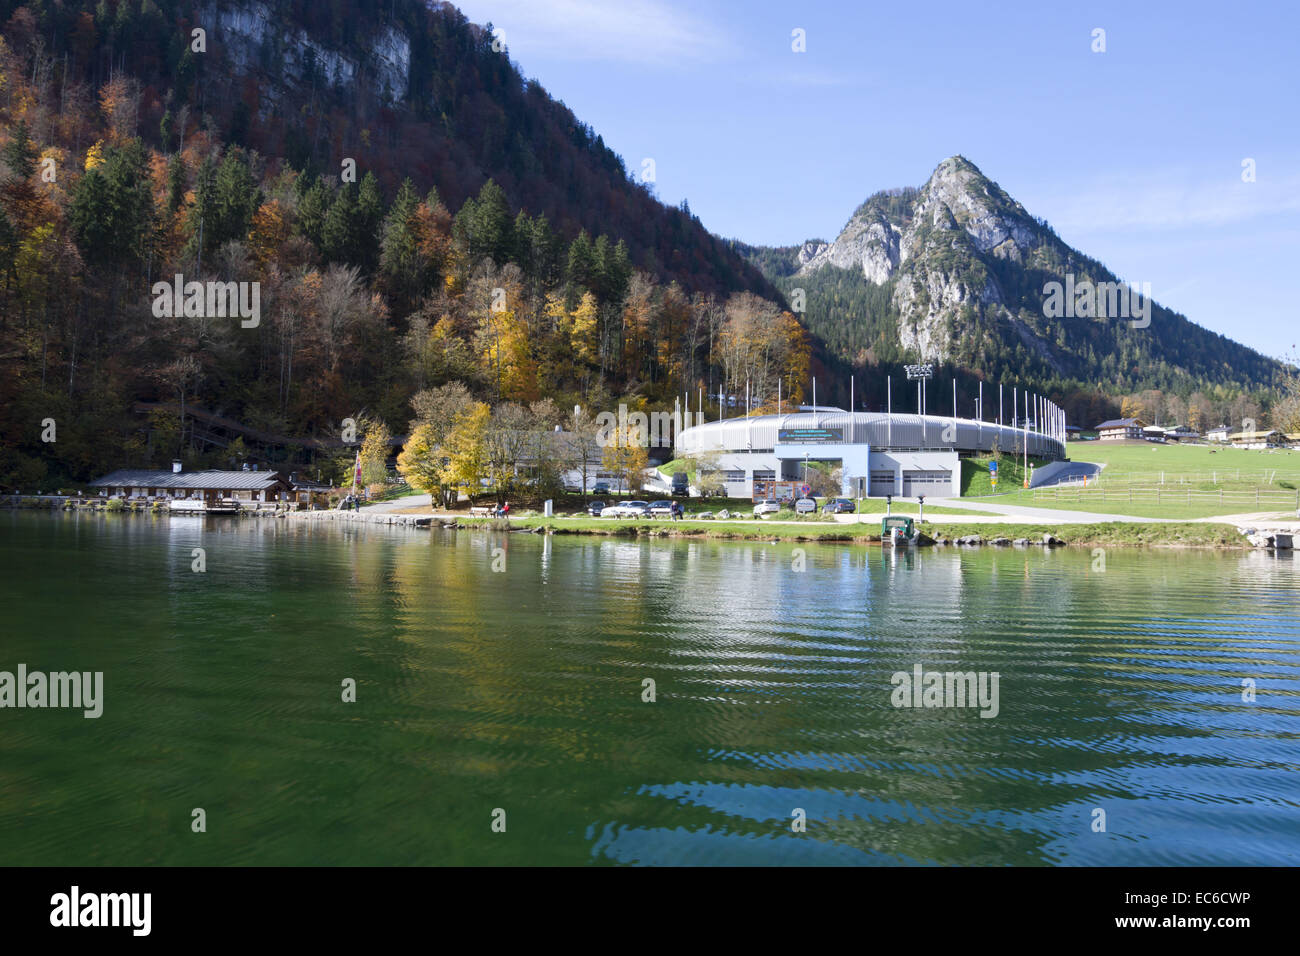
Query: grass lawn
1169	505
1173	534
976	480
1144	462
393	493
1144	467
1090	535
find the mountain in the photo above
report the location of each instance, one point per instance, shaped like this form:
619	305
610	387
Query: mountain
412	211
404	88
960	273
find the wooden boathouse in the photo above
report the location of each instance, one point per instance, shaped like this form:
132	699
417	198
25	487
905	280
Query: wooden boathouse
210	490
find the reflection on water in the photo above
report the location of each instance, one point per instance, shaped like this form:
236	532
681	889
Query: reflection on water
523	690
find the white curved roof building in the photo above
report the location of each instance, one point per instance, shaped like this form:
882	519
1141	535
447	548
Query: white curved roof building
880	453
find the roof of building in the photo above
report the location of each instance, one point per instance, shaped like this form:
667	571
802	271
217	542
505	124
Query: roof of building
1122	423
880	430
145	478
1254	436
306	484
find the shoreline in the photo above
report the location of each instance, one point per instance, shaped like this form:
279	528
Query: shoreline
1200	535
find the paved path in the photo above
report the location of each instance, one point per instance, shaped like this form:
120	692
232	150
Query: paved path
1268	520
399	504
1011	512
1074	471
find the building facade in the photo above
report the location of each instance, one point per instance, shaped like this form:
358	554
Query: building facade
208	486
1121	429
878	453
1259	439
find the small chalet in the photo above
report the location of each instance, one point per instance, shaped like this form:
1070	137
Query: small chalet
1119	429
1256	439
1182	433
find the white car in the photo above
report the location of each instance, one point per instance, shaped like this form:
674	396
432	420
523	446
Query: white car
626	509
768	506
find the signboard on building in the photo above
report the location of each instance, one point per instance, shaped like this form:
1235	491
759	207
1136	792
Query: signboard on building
810	436
780	490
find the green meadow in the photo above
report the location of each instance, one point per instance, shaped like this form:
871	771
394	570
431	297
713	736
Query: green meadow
1163	481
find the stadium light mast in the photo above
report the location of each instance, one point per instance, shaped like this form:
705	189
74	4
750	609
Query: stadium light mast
921	373
889	410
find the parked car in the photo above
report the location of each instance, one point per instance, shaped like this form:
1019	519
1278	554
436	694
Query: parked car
600	488
805	506
627	509
661	509
681	483
838	506
768	506
595	508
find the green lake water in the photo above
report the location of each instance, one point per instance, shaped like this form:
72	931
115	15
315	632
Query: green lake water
518	692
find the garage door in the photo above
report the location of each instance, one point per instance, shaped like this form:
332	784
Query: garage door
936	484
882	483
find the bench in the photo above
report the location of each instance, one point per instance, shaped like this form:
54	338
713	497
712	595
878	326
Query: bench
482	510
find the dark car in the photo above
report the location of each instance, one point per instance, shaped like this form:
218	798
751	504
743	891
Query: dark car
681	483
595	508
838	506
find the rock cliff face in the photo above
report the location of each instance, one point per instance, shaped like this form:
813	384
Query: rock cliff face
254	35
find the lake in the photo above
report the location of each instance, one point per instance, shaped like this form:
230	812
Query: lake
502	714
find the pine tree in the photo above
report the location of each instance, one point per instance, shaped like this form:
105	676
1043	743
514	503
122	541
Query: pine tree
235	200
111	212
370	215
400	266
175	183
483	226
312	210
340	234
20	153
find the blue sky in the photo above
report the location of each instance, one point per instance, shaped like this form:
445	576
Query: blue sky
1134	155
